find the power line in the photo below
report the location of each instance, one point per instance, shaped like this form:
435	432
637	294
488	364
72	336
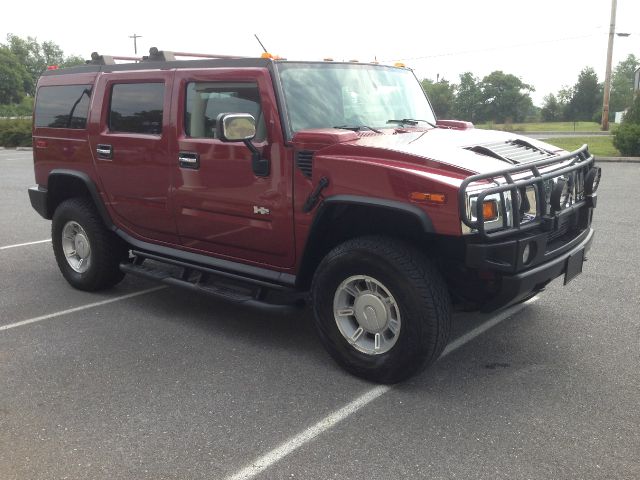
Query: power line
494	48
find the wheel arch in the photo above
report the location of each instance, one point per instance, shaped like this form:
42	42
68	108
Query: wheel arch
63	184
342	217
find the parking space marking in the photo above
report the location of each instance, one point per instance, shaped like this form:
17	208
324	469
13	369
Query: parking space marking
25	244
272	457
80	308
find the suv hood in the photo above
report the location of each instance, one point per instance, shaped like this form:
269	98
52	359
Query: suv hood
474	150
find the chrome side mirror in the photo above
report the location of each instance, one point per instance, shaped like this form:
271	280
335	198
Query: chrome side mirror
235	127
241	127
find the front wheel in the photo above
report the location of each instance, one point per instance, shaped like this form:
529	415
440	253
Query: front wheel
382	309
87	254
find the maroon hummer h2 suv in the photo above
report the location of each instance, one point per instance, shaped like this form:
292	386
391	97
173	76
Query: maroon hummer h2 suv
266	181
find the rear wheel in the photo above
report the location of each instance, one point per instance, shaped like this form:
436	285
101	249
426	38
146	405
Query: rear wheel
87	254
382	309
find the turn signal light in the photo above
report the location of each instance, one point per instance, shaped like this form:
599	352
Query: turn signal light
438	198
490	210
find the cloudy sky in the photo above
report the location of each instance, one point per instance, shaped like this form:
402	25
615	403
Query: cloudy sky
545	42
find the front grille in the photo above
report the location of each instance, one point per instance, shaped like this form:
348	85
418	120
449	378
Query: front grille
304	161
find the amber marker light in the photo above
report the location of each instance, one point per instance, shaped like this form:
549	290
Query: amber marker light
490	210
399	65
437	198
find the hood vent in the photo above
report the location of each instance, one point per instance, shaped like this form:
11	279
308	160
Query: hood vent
304	161
512	151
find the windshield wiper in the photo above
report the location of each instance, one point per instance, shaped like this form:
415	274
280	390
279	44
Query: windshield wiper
357	128
410	121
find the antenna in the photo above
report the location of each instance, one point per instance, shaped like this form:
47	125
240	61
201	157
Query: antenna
256	35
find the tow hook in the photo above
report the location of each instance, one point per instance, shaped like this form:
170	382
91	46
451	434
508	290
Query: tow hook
312	200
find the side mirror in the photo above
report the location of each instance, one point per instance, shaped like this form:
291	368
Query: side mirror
235	127
241	127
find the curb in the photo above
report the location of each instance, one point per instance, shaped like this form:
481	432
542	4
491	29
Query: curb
618	159
26	149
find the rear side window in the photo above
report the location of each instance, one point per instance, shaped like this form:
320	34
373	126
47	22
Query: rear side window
65	106
207	100
136	108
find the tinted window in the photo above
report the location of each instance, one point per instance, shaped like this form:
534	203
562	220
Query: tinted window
63	106
136	108
205	101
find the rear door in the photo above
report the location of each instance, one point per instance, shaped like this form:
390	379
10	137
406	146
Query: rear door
221	206
130	144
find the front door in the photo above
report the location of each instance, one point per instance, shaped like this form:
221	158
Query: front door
130	144
221	206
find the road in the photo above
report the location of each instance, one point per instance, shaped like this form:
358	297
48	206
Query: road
163	384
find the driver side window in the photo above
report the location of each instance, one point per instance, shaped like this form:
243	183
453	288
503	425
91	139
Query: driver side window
206	100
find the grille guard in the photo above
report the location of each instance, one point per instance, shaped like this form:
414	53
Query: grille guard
580	158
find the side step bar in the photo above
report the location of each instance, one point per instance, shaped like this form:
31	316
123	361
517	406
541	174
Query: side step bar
199	280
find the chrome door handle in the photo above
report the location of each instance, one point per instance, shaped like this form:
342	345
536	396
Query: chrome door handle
189	160
104	151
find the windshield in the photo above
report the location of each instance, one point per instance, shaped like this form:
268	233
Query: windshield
325	95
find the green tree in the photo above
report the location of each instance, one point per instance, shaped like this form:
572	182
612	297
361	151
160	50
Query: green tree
441	94
468	98
14	79
586	102
36	57
505	98
72	61
552	110
622	84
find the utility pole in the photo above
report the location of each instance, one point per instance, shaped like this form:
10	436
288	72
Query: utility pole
135	44
607	76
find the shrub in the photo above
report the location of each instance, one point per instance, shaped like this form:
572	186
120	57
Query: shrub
22	109
627	138
633	112
15	133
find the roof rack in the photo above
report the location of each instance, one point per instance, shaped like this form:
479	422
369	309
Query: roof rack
155	55
97	59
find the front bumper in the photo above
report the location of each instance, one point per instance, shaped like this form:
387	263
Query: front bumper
516	287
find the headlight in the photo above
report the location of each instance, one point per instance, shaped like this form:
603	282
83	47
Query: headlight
492	211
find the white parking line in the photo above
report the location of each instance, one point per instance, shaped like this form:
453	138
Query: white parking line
78	309
270	458
25	244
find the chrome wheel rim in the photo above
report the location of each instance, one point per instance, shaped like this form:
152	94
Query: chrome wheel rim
366	314
76	247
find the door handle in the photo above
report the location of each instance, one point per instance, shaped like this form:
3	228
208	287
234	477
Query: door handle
104	151
189	160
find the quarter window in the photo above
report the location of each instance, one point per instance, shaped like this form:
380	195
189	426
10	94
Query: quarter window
136	108
65	106
206	100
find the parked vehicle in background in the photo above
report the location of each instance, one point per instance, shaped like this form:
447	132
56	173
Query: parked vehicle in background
266	181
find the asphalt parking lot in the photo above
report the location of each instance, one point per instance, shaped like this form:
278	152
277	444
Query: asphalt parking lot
164	384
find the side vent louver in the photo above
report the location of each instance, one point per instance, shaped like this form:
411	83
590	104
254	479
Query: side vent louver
304	161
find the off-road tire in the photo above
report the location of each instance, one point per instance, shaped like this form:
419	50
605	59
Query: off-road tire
421	296
107	250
